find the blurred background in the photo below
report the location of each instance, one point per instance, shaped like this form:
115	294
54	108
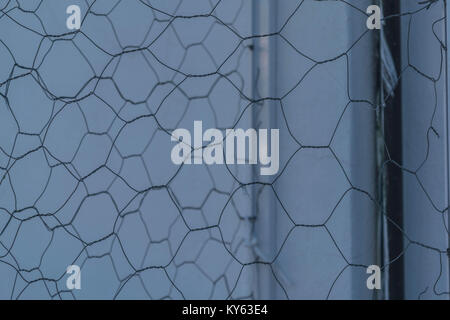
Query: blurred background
86	177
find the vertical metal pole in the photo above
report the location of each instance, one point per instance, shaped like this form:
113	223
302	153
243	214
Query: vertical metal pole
264	116
394	141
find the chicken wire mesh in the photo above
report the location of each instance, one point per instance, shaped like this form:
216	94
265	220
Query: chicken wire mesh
85	172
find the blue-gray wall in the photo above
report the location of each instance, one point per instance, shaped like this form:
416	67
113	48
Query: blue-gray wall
86	176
